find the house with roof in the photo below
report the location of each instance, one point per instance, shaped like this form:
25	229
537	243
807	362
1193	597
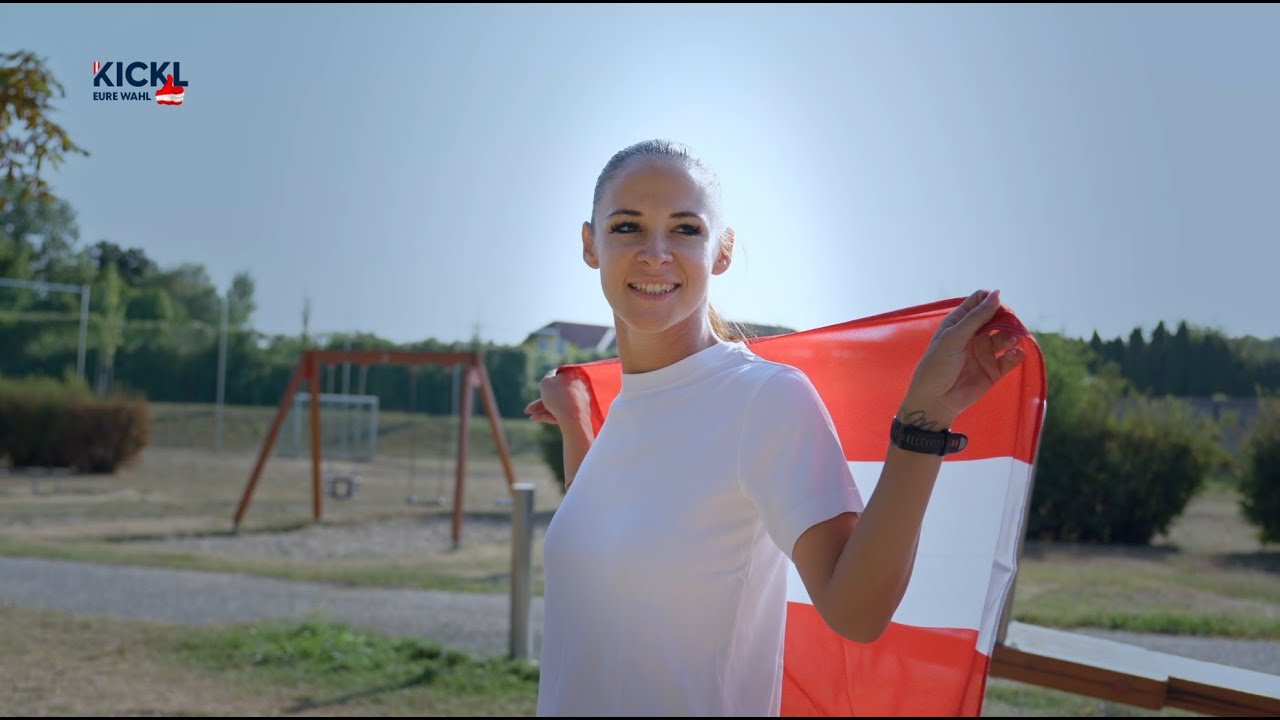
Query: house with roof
557	338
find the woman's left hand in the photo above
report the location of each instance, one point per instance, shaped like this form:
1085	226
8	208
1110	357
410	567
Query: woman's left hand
961	364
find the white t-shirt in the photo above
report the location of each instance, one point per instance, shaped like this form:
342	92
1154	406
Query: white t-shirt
665	588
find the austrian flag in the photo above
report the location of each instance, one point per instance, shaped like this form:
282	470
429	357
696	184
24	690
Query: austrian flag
935	656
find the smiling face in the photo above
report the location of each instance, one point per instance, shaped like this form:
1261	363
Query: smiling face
654	238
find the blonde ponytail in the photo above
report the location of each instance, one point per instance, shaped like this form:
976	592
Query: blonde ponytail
726	332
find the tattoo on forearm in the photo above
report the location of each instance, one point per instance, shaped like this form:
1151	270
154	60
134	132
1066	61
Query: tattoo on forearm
919	420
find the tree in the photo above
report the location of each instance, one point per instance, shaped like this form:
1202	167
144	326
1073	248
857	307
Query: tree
1158	353
240	299
1113	351
133	264
192	292
1135	361
37	237
1179	360
1217	372
1098	350
150	304
29	140
110	326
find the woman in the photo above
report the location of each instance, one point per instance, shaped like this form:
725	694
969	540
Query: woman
666	562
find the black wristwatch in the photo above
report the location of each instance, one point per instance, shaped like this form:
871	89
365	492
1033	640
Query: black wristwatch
930	442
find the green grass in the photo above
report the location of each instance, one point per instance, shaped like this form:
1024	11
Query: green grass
1154	594
1170	623
1208	576
333	664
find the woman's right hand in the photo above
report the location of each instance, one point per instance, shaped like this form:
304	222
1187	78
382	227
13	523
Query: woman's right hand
563	401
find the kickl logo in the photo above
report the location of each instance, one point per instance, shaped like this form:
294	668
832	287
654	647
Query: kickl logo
115	74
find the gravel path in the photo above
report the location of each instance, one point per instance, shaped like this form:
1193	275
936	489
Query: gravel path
476	623
1260	655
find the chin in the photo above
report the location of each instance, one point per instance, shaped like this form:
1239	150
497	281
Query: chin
645	325
652	323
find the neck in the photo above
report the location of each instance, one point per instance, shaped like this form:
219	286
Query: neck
641	352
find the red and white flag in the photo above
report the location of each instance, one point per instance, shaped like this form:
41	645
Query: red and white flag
935	656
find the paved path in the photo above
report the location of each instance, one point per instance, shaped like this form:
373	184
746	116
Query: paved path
467	621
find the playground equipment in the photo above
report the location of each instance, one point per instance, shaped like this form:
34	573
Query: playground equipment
472	376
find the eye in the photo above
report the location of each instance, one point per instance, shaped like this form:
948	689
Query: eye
625	226
688	229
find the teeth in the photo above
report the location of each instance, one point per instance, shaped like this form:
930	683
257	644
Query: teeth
654	288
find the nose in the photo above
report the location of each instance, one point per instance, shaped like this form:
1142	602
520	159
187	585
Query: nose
655	252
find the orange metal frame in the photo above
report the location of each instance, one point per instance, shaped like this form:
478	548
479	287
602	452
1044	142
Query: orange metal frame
308	369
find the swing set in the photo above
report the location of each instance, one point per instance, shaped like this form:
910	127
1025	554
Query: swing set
469	374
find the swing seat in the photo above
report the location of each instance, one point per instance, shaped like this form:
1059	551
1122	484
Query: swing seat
343	487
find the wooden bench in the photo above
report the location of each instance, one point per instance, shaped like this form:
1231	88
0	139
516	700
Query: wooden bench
1124	673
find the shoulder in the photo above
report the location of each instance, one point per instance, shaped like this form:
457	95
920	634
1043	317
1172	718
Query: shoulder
780	393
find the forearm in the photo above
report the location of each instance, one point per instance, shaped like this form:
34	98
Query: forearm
577	441
872	573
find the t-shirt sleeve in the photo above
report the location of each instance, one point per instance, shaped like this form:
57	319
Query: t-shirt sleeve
791	464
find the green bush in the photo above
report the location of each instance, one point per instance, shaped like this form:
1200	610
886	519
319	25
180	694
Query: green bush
1108	479
1260	485
1072	443
1158	458
48	423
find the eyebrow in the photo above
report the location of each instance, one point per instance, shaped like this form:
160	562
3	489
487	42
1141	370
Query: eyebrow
637	213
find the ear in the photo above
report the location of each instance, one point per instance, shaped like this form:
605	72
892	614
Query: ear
724	256
589	247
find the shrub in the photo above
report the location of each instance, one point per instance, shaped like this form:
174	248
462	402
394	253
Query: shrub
1158	457
49	423
1108	479
1260	484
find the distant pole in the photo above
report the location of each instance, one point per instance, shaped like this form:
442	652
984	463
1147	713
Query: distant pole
373	416
84	331
348	418
346	371
222	370
453	403
522	571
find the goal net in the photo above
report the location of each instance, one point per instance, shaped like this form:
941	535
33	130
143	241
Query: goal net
348	427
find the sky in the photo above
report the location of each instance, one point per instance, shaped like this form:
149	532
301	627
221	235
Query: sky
424	171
